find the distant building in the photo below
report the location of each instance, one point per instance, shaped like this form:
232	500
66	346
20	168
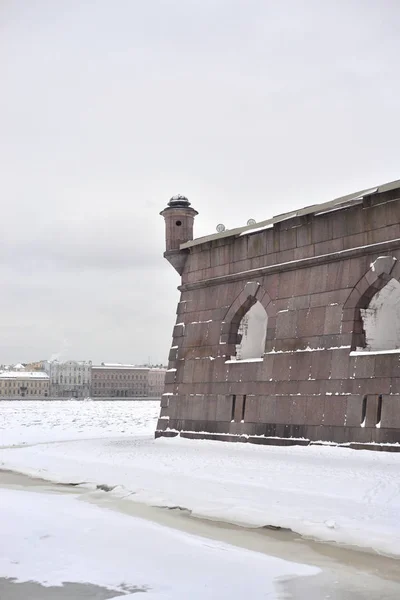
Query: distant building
112	380
70	379
24	384
33	366
156	378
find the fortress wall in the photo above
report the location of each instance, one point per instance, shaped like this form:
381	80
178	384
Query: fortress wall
308	383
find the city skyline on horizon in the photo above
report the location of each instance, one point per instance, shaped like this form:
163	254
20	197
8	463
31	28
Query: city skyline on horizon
95	364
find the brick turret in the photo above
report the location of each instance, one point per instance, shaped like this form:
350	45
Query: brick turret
179	219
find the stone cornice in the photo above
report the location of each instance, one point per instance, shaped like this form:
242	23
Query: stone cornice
295	264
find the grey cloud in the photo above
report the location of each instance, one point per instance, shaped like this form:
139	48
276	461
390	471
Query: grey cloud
93	243
249	108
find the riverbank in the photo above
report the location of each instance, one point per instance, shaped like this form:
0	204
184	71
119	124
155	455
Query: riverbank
71	538
325	570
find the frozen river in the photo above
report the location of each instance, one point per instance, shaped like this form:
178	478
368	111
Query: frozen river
341	574
176	519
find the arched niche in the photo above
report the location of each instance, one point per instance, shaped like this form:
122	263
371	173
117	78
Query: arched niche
253	333
354	318
381	319
244	328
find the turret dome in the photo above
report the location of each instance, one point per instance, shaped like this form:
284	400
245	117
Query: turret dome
179	201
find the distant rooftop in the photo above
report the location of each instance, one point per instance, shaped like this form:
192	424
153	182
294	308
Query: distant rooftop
119	366
23	375
315	209
66	362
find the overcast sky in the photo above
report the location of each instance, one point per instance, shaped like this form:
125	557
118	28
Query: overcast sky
109	107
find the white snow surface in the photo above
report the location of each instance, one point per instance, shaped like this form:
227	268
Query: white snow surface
66	540
29	422
257	229
306	489
242	360
365	352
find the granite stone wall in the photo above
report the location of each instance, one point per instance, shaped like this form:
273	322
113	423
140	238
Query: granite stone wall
316	380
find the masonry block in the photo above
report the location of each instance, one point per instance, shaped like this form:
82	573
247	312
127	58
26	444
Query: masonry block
321	364
364	366
282	410
333	318
179	330
267	409
340	364
224	408
300	366
286	324
251	409
315	408
281	364
390	416
335	410
298	410
170	376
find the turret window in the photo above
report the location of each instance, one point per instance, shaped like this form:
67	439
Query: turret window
179	223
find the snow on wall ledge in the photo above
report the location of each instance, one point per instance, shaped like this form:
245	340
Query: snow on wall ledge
366	352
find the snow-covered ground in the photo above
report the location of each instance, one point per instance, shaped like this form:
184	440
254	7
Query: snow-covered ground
29	422
333	494
64	540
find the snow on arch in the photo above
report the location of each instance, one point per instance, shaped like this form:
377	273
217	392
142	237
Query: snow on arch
381	319
253	329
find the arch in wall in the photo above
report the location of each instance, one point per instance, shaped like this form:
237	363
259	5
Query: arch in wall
381	319
382	270
252	302
253	333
